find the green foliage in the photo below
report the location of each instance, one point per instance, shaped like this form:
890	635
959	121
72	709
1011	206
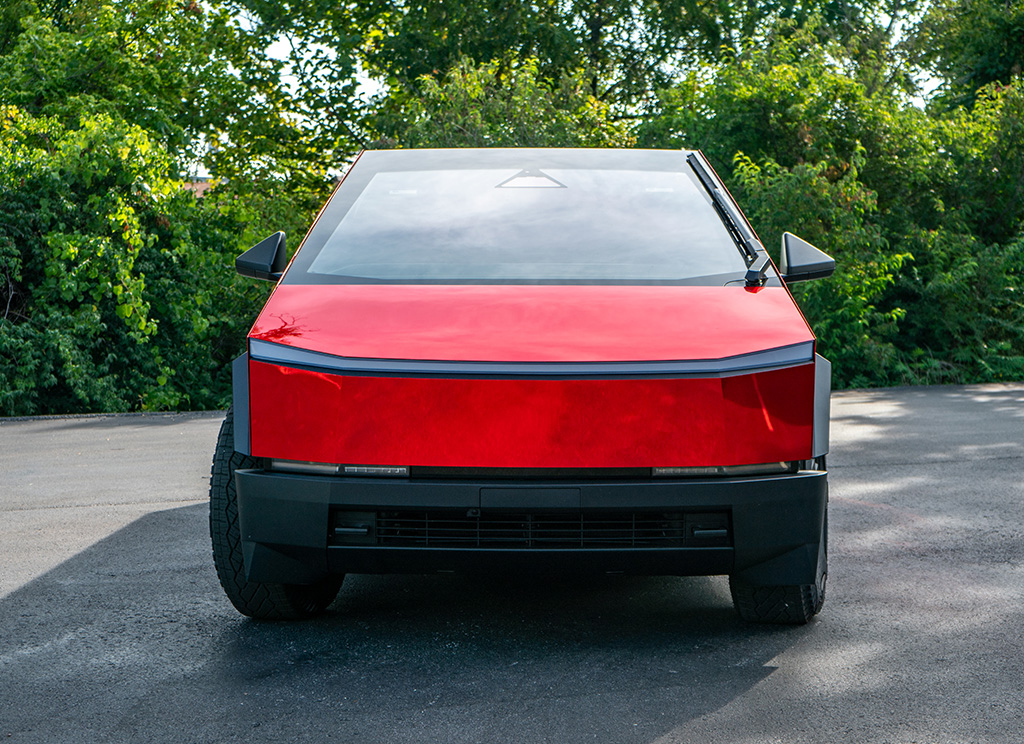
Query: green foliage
923	213
980	163
971	44
965	319
793	100
852	331
501	105
117	290
959	212
116	283
417	39
629	49
187	73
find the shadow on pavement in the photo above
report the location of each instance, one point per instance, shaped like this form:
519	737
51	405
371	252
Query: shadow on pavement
133	640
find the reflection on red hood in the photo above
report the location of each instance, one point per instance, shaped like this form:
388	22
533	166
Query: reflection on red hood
516	323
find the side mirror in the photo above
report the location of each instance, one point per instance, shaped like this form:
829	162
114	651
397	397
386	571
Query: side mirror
265	260
801	261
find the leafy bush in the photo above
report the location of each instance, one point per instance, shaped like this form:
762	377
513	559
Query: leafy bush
500	104
118	290
852	331
116	283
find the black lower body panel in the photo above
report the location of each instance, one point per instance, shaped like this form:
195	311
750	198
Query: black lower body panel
768	529
647	562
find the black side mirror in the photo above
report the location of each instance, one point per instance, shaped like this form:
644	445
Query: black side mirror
265	260
801	261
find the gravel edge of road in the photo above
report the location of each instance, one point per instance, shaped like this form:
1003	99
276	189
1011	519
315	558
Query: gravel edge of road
129	414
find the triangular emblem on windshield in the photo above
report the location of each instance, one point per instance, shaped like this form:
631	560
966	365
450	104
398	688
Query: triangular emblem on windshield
531	179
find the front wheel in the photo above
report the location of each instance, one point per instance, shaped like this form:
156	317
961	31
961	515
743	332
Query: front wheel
787	604
254	599
783	604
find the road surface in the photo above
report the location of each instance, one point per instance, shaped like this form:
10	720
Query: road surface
113	627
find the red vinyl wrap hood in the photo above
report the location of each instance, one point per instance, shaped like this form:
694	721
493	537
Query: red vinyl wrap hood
515	323
529	422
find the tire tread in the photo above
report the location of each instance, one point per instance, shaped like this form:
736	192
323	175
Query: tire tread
253	599
792	604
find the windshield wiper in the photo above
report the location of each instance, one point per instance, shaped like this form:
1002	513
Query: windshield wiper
750	247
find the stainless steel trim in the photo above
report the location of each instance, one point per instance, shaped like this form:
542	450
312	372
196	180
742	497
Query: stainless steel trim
822	405
785	356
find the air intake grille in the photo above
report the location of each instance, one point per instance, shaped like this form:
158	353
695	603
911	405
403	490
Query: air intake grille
543	530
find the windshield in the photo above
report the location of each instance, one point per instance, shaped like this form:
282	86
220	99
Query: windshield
526	225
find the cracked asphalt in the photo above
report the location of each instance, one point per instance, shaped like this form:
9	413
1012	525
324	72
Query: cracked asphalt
113	627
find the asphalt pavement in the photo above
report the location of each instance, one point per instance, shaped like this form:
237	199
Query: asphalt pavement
113	627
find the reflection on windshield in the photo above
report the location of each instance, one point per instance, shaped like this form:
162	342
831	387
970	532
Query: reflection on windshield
529	225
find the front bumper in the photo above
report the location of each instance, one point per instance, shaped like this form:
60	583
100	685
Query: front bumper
296	529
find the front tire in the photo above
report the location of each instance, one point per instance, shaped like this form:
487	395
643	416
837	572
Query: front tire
783	604
253	599
786	604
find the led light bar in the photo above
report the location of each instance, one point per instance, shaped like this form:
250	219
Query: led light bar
376	470
306	468
324	468
768	468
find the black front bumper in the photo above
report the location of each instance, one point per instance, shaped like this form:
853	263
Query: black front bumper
296	529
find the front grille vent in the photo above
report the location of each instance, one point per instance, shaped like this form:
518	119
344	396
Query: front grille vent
525	531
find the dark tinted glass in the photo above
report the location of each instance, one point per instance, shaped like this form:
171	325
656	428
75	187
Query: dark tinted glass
526	225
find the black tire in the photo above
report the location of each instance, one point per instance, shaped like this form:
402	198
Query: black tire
793	604
253	599
784	604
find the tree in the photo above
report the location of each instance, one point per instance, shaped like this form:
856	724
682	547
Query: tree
187	73
629	50
970	44
500	105
923	212
112	276
116	282
852	330
119	291
965	318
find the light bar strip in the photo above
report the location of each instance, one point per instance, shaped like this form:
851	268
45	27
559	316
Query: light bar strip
767	468
376	470
785	356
